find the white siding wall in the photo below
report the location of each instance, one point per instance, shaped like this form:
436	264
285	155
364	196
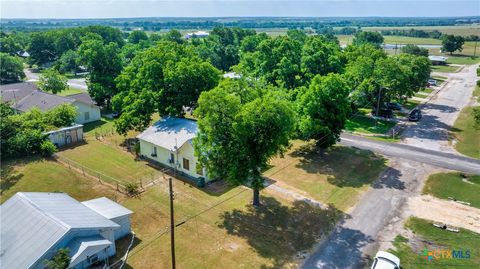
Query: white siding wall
125	226
83	109
163	157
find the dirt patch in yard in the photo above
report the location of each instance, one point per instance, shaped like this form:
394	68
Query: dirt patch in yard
444	211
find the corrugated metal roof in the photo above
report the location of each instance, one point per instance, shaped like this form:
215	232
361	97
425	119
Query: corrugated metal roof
437	58
170	133
107	208
31	223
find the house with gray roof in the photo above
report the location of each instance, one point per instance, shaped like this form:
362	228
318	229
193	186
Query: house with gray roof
25	96
169	142
36	225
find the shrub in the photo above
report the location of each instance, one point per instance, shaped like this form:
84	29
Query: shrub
132	189
476	116
47	148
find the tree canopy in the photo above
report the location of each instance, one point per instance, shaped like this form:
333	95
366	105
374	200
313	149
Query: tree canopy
366	37
414	50
239	133
322	109
52	81
11	68
452	43
166	78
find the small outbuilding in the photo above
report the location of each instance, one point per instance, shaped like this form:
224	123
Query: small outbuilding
438	60
66	136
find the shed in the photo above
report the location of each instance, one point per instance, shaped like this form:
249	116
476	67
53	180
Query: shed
114	212
438	60
66	136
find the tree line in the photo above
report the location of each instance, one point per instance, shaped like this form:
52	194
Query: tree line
296	86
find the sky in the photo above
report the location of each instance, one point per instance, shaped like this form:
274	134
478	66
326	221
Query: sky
235	8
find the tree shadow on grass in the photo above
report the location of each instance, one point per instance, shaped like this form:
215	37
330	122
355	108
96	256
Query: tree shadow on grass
8	175
344	166
279	232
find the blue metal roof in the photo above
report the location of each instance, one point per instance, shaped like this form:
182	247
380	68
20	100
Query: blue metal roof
170	133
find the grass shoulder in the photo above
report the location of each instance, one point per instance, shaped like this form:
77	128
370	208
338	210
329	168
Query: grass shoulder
467	134
426	236
455	185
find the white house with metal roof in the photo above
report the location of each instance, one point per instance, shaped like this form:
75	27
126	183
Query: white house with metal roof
35	225
169	142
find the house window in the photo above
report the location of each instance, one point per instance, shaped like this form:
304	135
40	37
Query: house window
87	115
154	152
199	169
93	259
172	158
186	164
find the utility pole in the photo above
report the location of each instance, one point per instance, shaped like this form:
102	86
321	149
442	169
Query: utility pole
172	223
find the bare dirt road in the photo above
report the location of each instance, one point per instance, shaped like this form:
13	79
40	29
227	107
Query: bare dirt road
440	113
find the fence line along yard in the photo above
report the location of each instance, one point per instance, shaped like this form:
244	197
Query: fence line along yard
131	188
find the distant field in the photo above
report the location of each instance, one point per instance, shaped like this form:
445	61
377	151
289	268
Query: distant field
454	29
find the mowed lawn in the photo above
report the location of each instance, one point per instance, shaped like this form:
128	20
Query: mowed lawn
466	132
43	175
368	125
456	185
426	236
220	227
338	175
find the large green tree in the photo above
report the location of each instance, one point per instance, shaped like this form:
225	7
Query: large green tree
104	65
452	43
166	78
414	50
323	109
136	36
68	62
11	68
239	133
320	57
52	81
367	37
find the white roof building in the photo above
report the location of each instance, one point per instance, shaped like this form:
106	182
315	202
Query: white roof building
35	225
199	34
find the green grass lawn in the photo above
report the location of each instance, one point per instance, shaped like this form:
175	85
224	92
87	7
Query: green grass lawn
37	174
463	59
421	95
427	90
411	104
432	238
70	91
444	68
444	185
227	231
368	125
336	176
467	134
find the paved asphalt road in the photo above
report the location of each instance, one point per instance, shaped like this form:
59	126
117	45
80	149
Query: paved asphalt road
440	113
425	146
436	158
77	83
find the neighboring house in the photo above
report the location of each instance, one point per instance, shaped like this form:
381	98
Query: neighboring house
65	136
169	142
25	96
36	225
438	60
197	34
232	75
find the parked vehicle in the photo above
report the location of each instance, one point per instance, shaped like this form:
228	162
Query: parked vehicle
394	106
432	82
384	112
385	260
415	115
